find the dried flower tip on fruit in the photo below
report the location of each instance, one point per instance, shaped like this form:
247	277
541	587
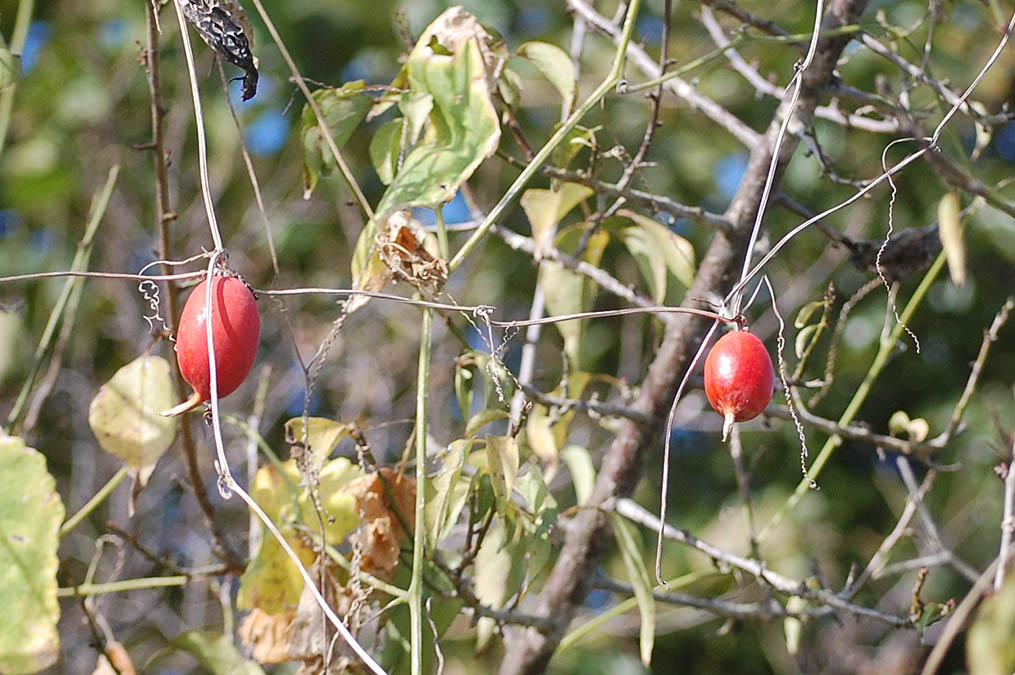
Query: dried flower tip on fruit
739	378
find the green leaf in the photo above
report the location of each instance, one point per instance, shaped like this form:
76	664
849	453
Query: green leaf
804	338
124	415
322	436
343	109
990	649
806	312
447	493
500	570
462	129
10	66
30	517
216	653
950	231
792	626
502	458
484	417
638	574
583	473
555	65
384	149
546	208
271	581
659	252
416	106
569	293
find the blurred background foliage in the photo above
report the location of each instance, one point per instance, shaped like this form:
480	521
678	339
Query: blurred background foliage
82	105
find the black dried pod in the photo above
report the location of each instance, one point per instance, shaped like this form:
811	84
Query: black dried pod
224	26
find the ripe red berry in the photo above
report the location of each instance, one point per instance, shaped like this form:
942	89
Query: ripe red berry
236	327
739	378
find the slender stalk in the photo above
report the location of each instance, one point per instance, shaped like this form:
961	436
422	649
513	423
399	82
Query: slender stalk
17	45
415	590
122	586
92	503
202	148
56	317
540	157
849	414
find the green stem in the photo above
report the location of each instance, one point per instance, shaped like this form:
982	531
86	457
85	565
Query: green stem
880	360
80	263
99	497
544	152
621	608
122	586
415	590
17	45
442	233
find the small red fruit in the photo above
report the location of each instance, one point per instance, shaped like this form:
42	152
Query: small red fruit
739	378
236	327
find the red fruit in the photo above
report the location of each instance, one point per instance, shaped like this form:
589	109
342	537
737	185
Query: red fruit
739	378
236	327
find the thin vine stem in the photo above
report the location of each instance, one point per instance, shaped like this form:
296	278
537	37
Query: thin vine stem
17	44
94	502
415	592
202	147
849	414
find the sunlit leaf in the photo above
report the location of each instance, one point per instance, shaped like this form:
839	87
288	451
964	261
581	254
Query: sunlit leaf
322	435
804	338
271	581
447	493
950	230
659	252
792	626
990	649
384	150
124	414
806	312
343	108
555	65
638	574
215	652
462	129
500	569
502	455
484	417
567	292
583	473
30	517
546	208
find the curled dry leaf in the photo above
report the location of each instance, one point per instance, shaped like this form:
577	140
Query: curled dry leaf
266	635
310	636
382	527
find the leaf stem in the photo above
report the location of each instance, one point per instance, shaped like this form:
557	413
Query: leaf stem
92	503
122	586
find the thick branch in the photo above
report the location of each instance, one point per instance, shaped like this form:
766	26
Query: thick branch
621	468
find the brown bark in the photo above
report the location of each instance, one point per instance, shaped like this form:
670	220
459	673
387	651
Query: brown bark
529	649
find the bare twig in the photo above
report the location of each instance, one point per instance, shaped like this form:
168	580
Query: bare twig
756	568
